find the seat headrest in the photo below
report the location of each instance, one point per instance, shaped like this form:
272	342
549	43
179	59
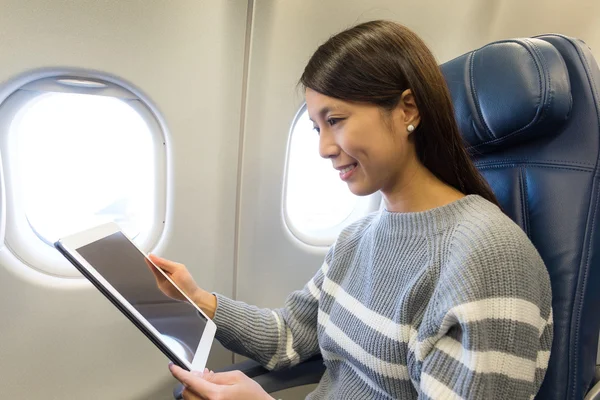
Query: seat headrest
508	92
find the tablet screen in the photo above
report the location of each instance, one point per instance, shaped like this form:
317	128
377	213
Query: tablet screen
125	268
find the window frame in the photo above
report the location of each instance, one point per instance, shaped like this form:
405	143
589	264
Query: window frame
322	237
20	239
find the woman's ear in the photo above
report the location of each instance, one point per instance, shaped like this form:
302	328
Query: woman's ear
408	111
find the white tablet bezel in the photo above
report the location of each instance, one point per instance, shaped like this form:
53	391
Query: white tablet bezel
71	243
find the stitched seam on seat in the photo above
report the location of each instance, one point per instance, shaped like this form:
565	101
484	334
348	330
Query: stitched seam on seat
524	202
523	222
526	197
525	160
546	72
536	166
473	92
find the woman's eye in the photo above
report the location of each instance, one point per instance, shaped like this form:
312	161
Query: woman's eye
316	128
333	121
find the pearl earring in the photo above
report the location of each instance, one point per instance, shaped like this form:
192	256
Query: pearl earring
410	128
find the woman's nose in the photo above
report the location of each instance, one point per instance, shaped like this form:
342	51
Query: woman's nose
327	146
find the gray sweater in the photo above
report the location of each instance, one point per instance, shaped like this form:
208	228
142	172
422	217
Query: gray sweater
450	303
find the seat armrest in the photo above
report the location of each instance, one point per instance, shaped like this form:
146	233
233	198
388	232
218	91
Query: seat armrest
306	373
594	393
249	367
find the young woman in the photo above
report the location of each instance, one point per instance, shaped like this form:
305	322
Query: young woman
439	295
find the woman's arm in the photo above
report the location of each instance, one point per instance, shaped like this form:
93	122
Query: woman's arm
489	329
275	338
496	349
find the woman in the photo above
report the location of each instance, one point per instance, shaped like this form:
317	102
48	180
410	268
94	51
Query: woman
439	295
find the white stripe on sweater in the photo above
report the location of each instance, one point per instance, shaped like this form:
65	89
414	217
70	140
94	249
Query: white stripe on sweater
273	361
313	289
543	357
289	349
382	367
489	362
506	308
551	318
290	353
435	389
325	268
514	309
374	320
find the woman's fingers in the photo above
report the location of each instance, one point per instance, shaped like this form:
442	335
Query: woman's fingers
230	385
159	277
224	378
163	263
193	382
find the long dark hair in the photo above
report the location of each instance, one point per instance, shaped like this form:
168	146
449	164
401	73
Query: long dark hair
375	62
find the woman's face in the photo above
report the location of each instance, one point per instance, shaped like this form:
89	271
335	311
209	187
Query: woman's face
371	149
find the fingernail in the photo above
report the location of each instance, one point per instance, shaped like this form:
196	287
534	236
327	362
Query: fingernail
170	365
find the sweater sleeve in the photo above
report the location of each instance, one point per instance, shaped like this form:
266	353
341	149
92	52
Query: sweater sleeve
276	338
491	322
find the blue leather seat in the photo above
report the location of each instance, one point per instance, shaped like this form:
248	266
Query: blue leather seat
529	112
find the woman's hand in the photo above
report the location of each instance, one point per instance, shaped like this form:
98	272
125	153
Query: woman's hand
182	278
232	385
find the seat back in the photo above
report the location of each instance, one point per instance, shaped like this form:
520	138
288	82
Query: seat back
529	112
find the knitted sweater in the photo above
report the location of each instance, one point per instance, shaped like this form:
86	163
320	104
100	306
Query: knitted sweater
451	303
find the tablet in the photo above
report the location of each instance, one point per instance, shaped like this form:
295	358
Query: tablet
115	266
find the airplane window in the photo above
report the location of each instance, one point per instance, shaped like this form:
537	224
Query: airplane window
78	152
83	160
317	203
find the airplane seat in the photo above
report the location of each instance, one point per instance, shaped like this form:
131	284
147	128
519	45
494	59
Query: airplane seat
528	110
